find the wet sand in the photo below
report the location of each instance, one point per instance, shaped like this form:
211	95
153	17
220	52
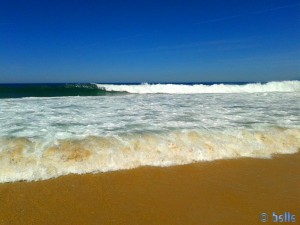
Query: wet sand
219	192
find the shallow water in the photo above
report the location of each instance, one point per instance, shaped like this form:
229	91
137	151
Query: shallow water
44	137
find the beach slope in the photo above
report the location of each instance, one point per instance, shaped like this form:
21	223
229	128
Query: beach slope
232	191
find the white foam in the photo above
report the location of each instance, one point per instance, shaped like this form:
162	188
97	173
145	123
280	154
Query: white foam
42	138
279	86
22	159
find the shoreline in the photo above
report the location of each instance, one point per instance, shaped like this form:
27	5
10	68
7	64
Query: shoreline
232	191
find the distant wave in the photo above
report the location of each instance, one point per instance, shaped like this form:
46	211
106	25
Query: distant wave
275	86
59	90
50	90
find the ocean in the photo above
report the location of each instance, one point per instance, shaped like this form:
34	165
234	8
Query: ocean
50	130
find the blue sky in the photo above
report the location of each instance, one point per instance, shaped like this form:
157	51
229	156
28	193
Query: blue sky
149	41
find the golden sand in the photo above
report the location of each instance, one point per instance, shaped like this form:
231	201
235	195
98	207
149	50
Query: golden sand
219	192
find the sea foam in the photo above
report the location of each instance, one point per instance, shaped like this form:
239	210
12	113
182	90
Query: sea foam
46	137
24	159
279	86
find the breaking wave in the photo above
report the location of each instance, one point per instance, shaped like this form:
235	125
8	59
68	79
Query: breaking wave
275	86
59	90
26	159
50	90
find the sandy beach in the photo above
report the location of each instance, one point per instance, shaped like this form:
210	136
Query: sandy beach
220	192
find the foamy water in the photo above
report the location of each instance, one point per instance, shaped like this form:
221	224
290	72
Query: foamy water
42	138
284	86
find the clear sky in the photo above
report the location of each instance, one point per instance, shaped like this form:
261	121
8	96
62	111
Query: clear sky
149	41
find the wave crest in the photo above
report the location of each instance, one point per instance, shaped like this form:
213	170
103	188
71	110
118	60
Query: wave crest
145	88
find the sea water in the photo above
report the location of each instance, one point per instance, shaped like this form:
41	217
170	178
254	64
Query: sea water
52	130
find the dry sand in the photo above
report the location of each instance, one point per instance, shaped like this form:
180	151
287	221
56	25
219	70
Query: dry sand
219	192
